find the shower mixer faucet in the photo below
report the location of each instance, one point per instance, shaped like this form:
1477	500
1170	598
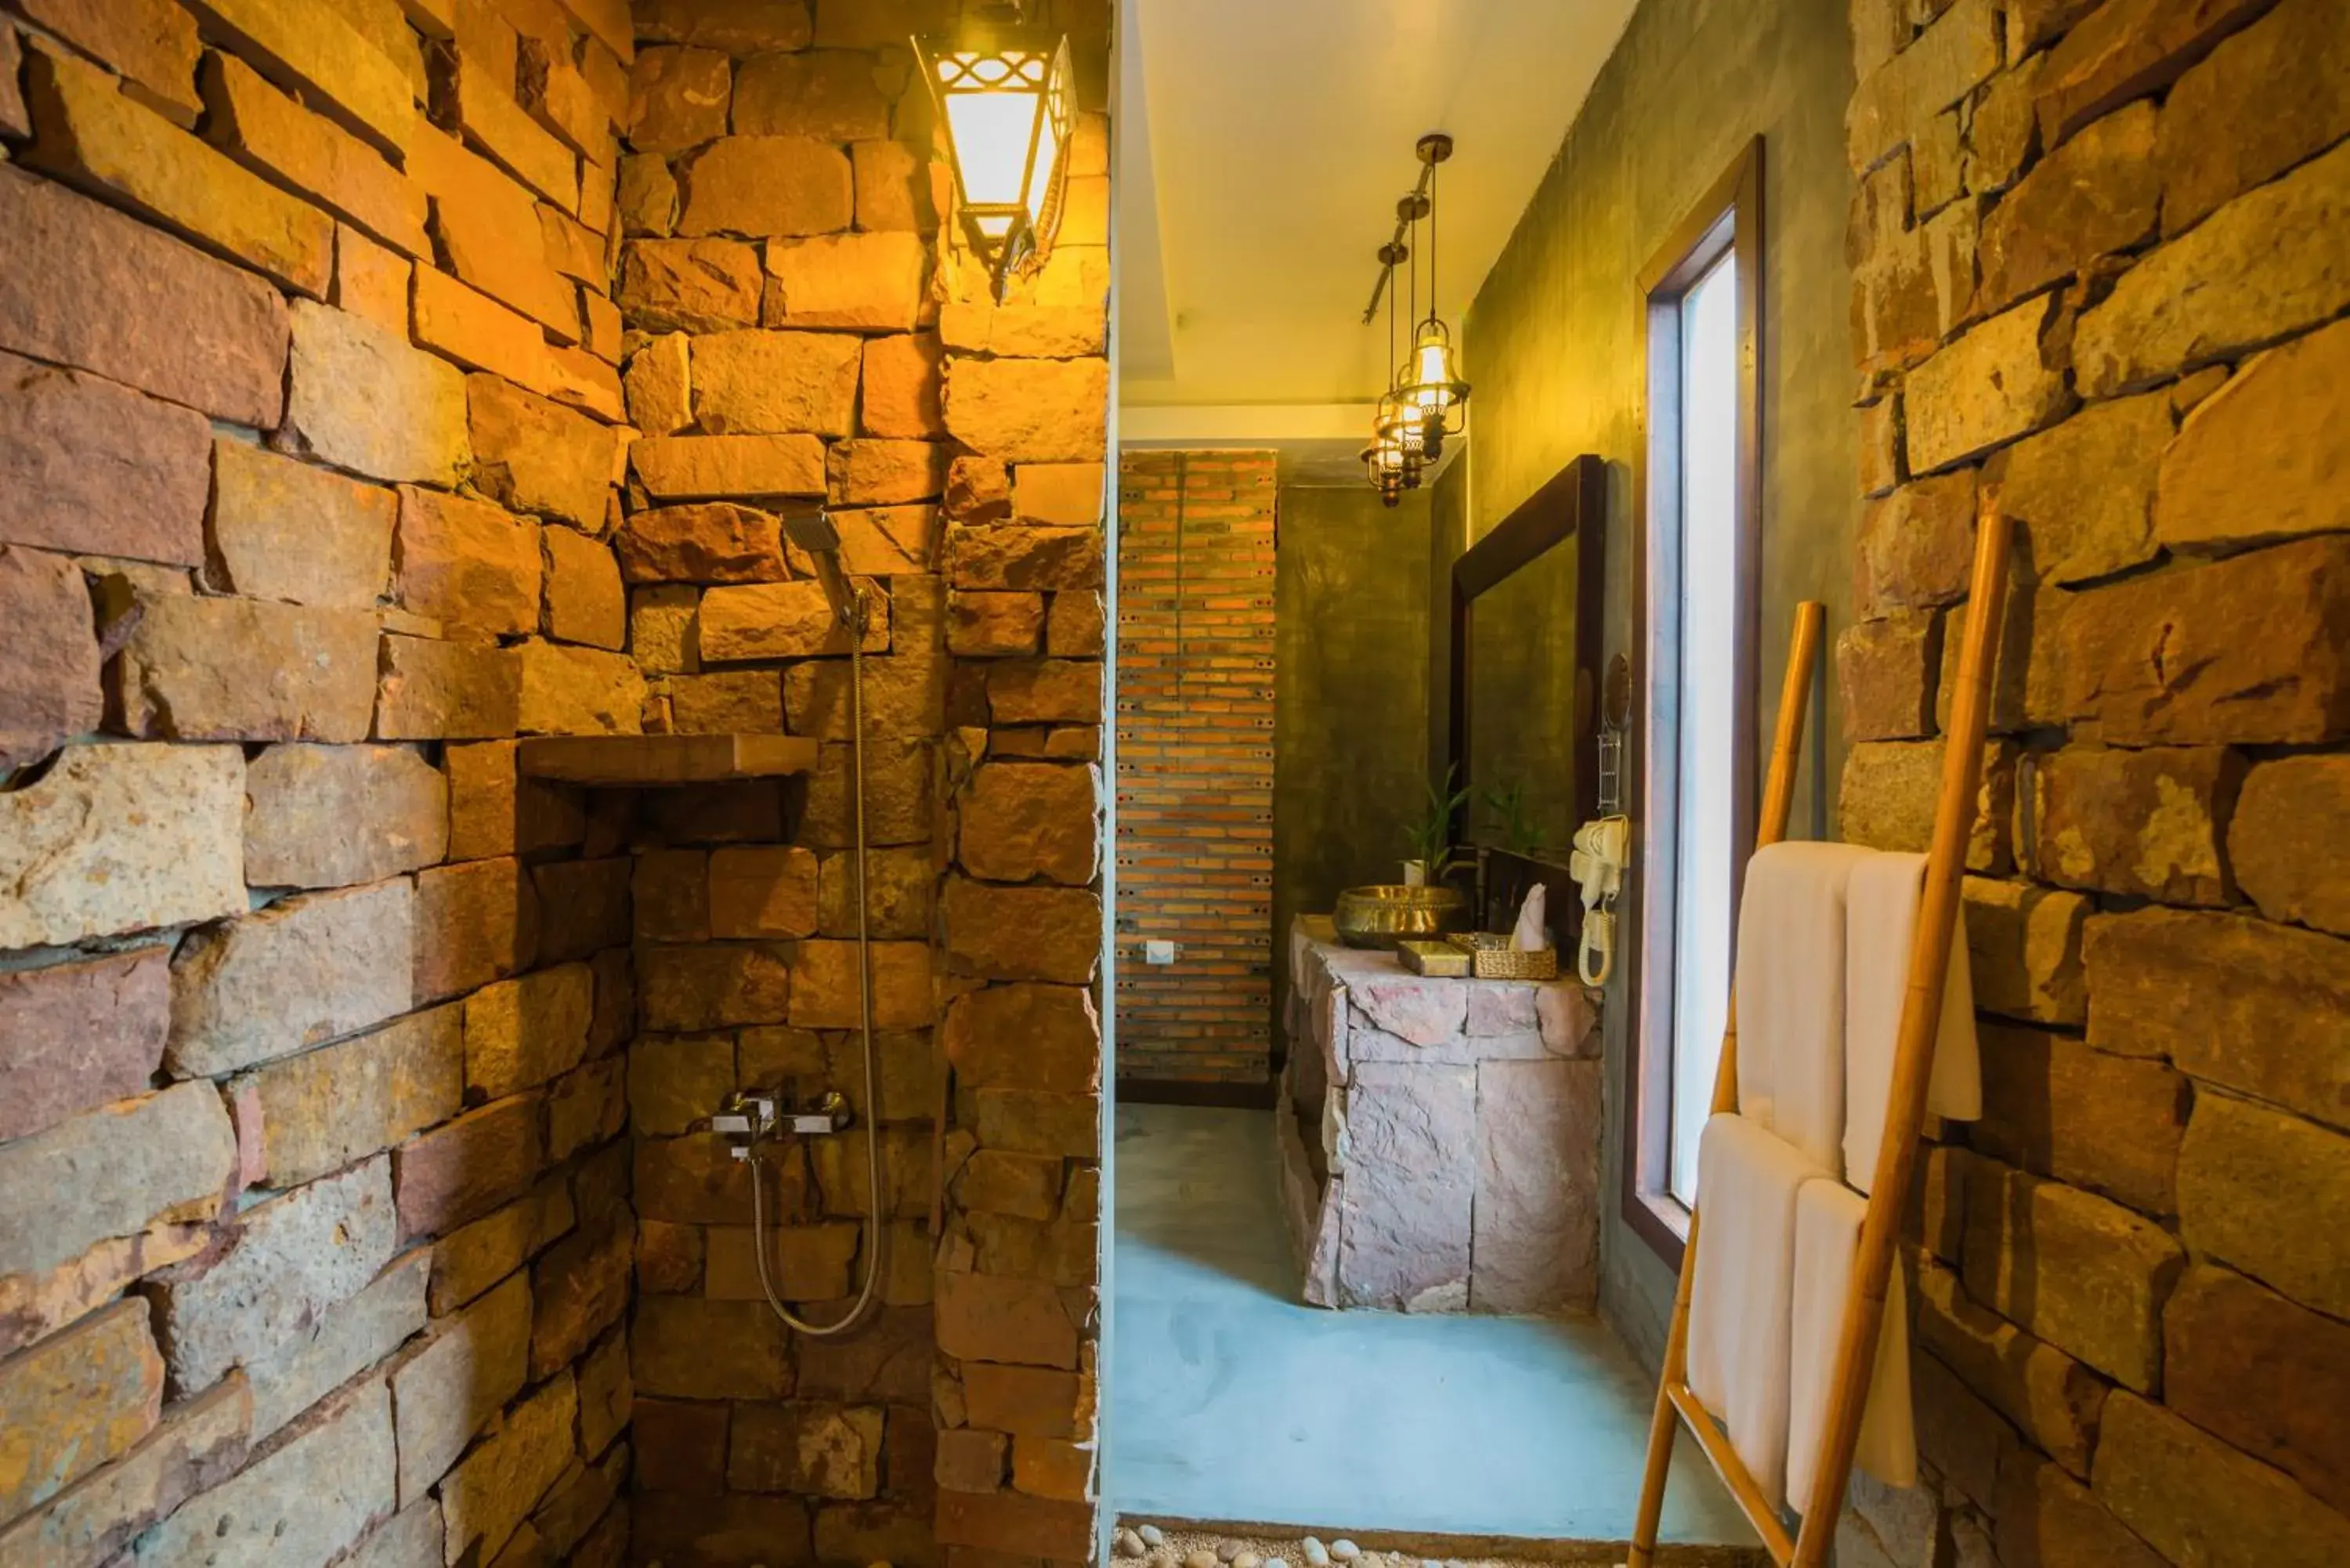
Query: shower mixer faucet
753	1118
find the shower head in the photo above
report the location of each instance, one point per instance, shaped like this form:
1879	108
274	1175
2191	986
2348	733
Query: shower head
812	529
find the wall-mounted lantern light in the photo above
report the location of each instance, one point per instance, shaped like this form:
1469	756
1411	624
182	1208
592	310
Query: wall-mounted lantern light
1007	97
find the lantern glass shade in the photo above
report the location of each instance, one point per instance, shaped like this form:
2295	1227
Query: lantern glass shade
1435	383
1007	97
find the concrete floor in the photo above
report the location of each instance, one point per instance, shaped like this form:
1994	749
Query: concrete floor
1231	1399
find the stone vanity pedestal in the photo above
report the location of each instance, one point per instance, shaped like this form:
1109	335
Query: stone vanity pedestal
1439	1138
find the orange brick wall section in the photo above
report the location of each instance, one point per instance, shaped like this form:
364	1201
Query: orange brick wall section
1195	612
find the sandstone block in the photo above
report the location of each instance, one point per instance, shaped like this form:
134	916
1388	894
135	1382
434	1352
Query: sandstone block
286	530
2112	56
2249	649
1058	494
764	891
76	1402
117	838
658	386
708	467
329	817
875	473
1045	1037
2094	194
2277	86
677	99
372	281
678	1081
2263	266
772	383
898	187
1044	691
265	130
2023	947
736	701
456	1380
1077	627
717	541
1022	933
771	186
690	284
905	696
860	282
902	377
584	907
1405	1221
206	668
520	1033
463	1169
585	601
225	352
2145	823
586	1109
1991	386
1025	820
1031	1121
202	1443
474	923
983	1318
808	1449
310	969
153	45
433	690
476	331
334	61
888	542
569	691
2262	1373
688	1348
2254	462
1535	1238
80	1035
289	1260
85	465
825	985
90	133
970	1459
2248	1179
830	95
536	456
304	1502
579	1288
695	987
993	625
49	689
1028	410
737	1529
2043	1515
492	1490
898	887
735	27
472	1259
1899	98
776	620
1887	672
2051	1398
2197	1501
487	111
326	1108
1890	789
2096	1120
363	399
317	1356
2085	491
1019	558
899	778
1030	1401
2289	811
665	630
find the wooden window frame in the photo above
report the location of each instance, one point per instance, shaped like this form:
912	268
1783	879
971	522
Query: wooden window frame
1726	220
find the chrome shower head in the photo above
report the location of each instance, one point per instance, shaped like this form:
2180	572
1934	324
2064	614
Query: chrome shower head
812	529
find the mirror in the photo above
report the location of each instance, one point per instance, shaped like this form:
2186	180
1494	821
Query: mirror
1522	694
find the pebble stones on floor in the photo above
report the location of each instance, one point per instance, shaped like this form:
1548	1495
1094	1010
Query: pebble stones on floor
1150	1546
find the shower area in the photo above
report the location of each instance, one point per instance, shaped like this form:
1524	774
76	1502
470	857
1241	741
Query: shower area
551	888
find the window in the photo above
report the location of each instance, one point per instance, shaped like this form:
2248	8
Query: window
1694	736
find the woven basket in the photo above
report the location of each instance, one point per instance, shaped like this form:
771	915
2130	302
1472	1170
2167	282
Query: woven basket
1493	957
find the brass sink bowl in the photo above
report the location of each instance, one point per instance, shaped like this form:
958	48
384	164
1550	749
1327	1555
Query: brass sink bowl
1386	913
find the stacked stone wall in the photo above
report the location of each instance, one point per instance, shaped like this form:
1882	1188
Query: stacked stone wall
2099	290
315	1237
799	328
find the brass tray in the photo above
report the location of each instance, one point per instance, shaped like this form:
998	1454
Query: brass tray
1439	958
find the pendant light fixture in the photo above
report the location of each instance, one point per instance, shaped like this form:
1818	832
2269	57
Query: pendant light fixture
1391	462
1432	383
1007	97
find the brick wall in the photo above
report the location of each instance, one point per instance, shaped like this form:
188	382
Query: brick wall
314	1229
793	330
331	1050
2099	291
1195	763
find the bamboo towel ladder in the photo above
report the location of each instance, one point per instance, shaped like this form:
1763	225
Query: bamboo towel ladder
1913	1067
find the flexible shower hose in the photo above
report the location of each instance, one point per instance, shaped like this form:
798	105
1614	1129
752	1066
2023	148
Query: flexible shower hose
876	1235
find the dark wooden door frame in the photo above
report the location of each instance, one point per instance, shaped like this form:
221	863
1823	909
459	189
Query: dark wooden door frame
1727	220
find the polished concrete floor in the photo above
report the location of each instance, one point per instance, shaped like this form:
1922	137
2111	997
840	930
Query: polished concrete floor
1231	1399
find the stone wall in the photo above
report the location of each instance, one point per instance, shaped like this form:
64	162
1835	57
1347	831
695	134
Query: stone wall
314	1228
1195	712
796	327
2098	290
321	1031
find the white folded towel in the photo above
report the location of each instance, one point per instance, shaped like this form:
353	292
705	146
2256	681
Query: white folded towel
1743	1293
1828	1216
1881	910
1791	994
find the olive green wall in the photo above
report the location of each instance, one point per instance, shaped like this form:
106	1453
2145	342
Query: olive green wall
1550	346
1350	695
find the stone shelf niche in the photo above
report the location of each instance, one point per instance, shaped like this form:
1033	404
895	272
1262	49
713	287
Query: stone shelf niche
637	761
1439	1139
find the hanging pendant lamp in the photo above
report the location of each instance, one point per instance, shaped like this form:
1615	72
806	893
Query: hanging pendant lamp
1391	462
1006	95
1432	383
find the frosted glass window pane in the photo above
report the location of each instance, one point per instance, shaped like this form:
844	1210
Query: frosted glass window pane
1707	691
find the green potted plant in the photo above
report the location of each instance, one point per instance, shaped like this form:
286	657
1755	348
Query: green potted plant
1507	818
1430	837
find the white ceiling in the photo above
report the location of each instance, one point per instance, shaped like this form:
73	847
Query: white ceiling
1262	146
